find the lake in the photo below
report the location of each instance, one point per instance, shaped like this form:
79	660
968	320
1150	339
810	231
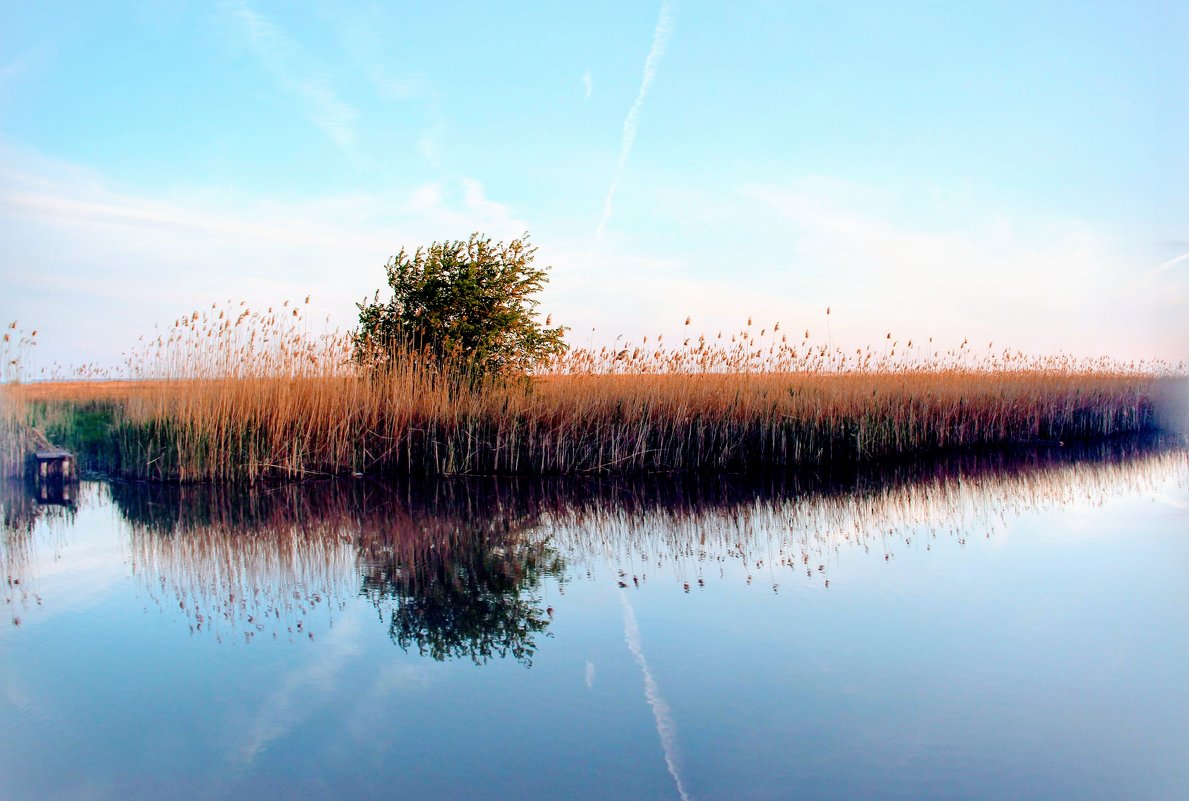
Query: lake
1000	625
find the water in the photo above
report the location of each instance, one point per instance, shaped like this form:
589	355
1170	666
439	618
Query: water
1007	626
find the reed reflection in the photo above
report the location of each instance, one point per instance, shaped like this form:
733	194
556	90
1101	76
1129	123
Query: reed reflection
23	514
458	569
792	526
454	569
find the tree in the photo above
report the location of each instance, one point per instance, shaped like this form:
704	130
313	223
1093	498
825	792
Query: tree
462	303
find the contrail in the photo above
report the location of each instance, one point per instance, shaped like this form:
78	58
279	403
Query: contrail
1168	265
665	727
660	38
1162	268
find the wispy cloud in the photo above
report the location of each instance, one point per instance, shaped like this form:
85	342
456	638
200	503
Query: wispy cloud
660	39
285	62
75	200
122	250
364	35
1044	286
429	143
13	70
665	727
587	85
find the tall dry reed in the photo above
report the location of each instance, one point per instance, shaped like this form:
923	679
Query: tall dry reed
232	394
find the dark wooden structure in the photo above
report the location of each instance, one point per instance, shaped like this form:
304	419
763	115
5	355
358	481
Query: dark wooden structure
54	472
55	463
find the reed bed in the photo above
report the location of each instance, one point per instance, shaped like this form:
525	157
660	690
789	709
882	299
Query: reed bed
232	394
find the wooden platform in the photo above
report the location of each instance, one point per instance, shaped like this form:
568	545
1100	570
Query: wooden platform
55	463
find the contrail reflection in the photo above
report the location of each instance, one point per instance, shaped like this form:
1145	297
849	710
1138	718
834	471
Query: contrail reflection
665	727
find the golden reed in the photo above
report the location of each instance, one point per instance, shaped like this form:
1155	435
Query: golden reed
232	394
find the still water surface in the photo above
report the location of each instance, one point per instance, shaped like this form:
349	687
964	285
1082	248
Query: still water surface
1002	627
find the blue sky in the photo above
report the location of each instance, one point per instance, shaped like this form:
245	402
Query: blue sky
1011	172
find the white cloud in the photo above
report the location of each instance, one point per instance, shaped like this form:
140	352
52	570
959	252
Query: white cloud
295	74
15	69
364	36
587	85
784	252
1042	286
94	267
429	143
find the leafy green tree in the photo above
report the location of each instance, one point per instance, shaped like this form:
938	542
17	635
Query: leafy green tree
464	303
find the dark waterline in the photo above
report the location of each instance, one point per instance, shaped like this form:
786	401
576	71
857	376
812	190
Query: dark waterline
1009	624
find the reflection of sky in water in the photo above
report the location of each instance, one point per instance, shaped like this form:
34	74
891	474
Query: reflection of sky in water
1004	629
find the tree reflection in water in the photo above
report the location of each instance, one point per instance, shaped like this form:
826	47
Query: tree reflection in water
455	567
460	568
462	576
466	598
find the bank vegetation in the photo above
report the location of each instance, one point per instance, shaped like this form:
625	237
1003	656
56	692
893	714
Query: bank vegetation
235	395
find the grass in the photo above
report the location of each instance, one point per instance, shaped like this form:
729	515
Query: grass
236	395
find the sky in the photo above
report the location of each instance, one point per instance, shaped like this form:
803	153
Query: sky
1009	172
